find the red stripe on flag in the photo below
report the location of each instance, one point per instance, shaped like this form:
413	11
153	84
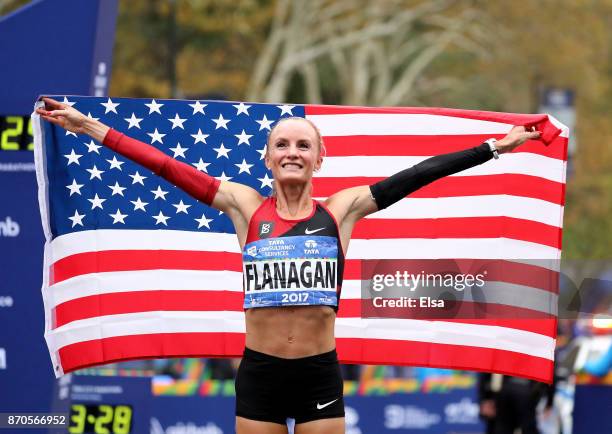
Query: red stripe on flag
121	348
380	351
146	301
453	186
418	145
460	227
132	260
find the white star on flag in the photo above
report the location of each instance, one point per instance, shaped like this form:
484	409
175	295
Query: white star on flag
198	107
139	205
117	189
244	167
73	157
203	221
242	108
89	115
77	219
110	106
154	107
156	136
138	178
221	123
177	122
181	207
223	177
74	187
266	181
265	123
70	103
201	165
115	164
179	150
262	152
161	218
92	147
285	108
133	121
118	217
222	151
96	202
70	133
243	138
199	137
159	193
95	173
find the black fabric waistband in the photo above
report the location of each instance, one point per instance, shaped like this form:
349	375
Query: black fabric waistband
256	355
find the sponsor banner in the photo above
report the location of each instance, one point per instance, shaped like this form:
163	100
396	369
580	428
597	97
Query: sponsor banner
26	380
455	411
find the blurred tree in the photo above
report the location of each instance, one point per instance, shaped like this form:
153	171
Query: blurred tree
179	48
361	52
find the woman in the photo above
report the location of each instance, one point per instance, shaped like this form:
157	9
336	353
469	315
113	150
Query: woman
289	368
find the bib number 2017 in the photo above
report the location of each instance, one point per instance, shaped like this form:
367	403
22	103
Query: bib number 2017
295	297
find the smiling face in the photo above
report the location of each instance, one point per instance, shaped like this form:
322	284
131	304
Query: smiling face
293	151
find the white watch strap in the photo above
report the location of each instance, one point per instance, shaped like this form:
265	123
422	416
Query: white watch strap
491	143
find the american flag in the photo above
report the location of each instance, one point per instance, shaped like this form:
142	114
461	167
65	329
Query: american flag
136	268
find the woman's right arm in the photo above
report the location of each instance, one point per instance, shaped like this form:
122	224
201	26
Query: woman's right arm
237	200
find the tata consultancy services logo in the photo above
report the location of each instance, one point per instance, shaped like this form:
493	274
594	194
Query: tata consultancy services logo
9	228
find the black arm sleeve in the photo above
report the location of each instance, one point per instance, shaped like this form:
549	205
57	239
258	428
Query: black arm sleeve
396	187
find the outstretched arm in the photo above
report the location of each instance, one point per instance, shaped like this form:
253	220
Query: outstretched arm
228	197
354	203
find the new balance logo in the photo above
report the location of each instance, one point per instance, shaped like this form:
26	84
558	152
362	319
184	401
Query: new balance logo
9	228
327	404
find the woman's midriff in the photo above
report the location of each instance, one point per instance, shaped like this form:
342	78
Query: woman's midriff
291	332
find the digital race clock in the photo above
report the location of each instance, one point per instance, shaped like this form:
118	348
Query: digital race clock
16	133
100	419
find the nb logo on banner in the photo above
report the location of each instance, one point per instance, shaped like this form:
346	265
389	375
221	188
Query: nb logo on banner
2	358
9	228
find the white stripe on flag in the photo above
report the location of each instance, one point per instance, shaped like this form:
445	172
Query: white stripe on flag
441	248
392	124
143	280
523	163
441	332
142	323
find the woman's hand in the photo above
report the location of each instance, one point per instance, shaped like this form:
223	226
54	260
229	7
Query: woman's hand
71	119
517	136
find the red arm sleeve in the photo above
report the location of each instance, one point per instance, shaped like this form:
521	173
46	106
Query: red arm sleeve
201	186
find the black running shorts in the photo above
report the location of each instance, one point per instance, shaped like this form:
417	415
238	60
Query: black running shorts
272	389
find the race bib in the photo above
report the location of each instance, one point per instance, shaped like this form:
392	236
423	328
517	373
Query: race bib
291	271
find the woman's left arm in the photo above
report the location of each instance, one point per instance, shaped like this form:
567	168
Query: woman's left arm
354	203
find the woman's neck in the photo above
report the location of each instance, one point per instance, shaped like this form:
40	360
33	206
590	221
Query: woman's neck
294	201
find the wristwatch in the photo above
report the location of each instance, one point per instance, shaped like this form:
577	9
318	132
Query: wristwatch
491	143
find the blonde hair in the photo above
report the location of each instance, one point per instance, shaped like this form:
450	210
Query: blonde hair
322	150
